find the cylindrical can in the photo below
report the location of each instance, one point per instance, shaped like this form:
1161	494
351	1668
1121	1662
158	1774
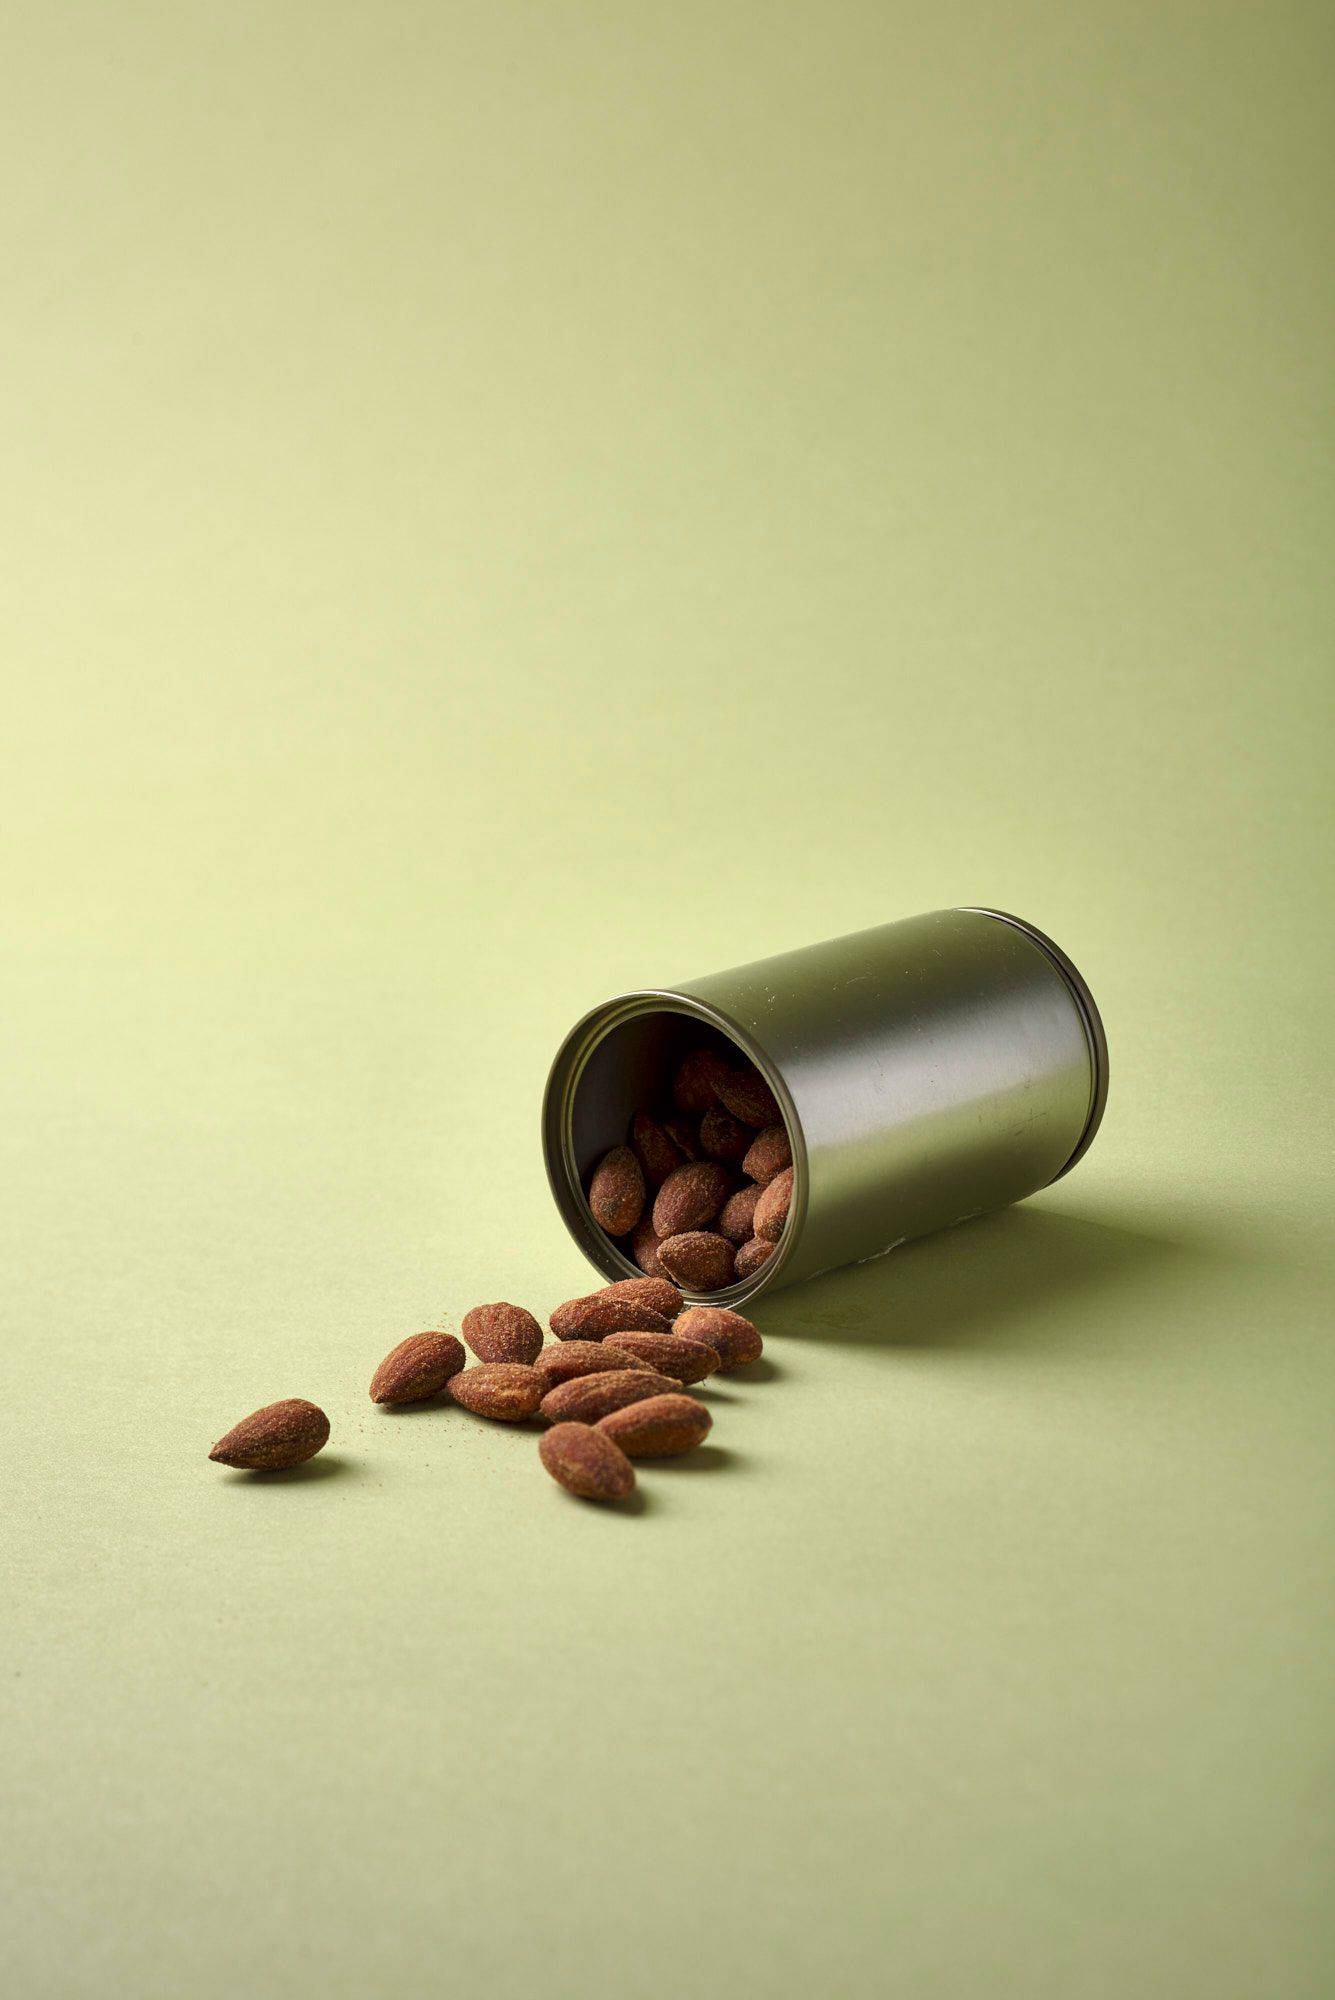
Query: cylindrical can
927	1070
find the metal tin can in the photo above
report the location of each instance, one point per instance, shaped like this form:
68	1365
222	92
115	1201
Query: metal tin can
927	1070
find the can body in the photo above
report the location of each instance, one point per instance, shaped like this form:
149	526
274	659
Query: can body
927	1070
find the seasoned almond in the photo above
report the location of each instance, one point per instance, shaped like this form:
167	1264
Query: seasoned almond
419	1366
684	1136
660	1427
505	1390
616	1192
644	1248
588	1397
502	1333
690	1198
279	1435
659	1294
596	1315
697	1260
750	1256
683	1360
656	1150
586	1462
723	1139
772	1208
768	1154
735	1220
585	1357
694	1086
745	1093
730	1334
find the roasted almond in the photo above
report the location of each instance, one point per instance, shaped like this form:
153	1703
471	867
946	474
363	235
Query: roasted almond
768	1154
659	1294
660	1427
592	1317
772	1208
723	1138
644	1248
697	1260
656	1150
419	1366
735	1219
750	1256
588	1397
505	1390
502	1333
690	1197
279	1435
585	1357
732	1336
683	1360
745	1093
616	1192
694	1085
586	1462
684	1136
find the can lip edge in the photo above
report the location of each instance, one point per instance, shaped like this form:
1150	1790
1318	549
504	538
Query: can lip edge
1090	1016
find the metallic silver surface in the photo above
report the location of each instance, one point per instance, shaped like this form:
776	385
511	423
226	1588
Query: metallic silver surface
927	1070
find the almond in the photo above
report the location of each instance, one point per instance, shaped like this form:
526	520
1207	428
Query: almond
768	1154
279	1435
644	1248
592	1317
587	1397
745	1093
656	1150
735	1220
697	1259
689	1198
419	1366
694	1086
616	1192
502	1333
586	1462
750	1257
722	1138
684	1136
504	1390
772	1208
683	1360
733	1337
657	1293
585	1357
660	1427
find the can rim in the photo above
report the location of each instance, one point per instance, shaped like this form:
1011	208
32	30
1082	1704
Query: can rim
1090	1017
558	1143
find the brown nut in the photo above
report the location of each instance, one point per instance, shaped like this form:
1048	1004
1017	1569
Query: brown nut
750	1256
659	1294
597	1314
768	1154
502	1333
684	1136
279	1435
694	1085
690	1198
656	1150
660	1427
723	1138
616	1192
745	1093
735	1220
772	1208
503	1390
585	1357
730	1334
419	1366
587	1397
644	1248
683	1360
698	1260
586	1462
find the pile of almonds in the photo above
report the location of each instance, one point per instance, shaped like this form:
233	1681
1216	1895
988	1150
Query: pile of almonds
613	1386
700	1195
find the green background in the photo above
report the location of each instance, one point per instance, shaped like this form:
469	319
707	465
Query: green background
503	502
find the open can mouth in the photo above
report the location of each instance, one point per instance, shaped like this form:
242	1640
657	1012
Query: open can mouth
614	1063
